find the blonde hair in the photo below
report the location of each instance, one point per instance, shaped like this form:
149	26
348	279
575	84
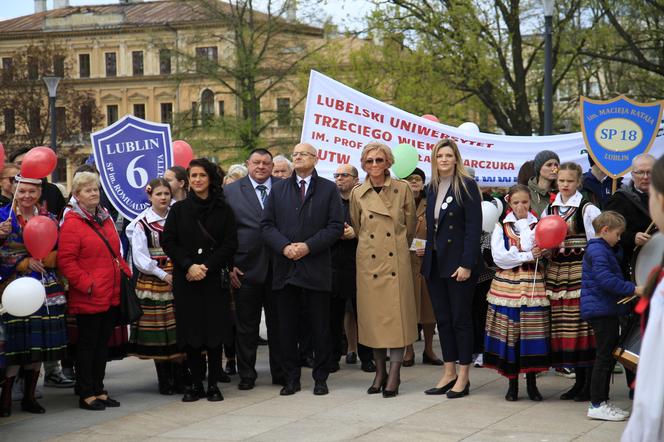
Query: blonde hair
572	167
383	148
460	171
235	172
82	179
612	220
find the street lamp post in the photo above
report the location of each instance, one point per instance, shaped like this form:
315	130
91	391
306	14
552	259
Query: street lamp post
548	67
52	86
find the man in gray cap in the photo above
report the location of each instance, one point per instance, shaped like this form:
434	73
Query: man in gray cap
542	185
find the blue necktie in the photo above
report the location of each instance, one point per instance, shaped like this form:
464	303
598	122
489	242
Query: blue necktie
263	190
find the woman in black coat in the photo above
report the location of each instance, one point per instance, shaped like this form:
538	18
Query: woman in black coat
200	237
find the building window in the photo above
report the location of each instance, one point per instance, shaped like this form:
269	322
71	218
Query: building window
34	123
167	113
84	65
33	68
61	121
111	114
7	69
139	111
222	108
111	64
283	112
10	121
165	61
59	66
205	56
137	63
86	118
207	106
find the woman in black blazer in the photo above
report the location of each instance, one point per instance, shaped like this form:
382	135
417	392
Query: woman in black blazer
452	262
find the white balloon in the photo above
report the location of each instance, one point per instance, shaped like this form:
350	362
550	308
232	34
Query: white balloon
649	257
490	215
469	127
498	204
23	296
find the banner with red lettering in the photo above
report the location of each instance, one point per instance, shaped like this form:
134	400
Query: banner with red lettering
339	121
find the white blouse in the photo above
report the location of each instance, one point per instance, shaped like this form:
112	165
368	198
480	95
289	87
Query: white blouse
590	212
508	259
139	245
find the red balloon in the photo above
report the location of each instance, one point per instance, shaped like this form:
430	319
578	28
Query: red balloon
182	153
39	162
550	232
40	235
431	118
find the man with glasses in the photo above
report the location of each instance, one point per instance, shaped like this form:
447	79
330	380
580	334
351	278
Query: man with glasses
7	184
303	218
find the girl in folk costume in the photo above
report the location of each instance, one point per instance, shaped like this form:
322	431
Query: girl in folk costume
517	321
154	335
572	339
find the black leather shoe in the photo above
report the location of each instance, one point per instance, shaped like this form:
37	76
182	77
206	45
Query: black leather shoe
193	393
512	394
427	360
224	378
109	402
262	341
351	358
95	405
334	367
231	367
246	384
320	389
435	391
32	407
391	393
368	366
290	389
451	394
214	394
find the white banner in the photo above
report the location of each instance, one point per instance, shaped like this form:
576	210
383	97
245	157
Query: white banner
339	121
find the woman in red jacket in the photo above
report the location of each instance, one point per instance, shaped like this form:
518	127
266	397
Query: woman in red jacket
94	285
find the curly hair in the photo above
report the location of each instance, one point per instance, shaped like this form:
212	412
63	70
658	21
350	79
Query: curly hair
212	171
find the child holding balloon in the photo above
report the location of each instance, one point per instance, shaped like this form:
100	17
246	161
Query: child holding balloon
572	339
517	320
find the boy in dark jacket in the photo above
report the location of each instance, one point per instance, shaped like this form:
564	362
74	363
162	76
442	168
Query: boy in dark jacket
602	286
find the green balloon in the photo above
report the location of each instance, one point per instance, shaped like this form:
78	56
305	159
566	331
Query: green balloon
405	160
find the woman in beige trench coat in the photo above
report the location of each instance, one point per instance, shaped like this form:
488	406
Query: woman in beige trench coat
383	216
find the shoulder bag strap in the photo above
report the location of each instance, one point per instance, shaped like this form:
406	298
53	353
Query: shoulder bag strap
110	249
206	233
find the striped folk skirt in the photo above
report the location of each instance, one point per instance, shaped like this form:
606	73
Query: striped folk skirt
572	339
39	337
154	336
517	339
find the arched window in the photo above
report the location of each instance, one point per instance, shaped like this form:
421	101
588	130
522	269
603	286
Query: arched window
207	106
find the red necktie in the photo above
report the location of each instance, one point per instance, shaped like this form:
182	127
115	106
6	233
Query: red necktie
303	189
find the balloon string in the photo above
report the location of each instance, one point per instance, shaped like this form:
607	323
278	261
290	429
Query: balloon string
48	313
532	295
11	207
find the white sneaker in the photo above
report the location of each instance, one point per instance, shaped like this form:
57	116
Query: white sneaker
605	413
479	360
618	409
566	373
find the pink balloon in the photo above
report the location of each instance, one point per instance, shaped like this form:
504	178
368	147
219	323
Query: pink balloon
431	118
39	162
550	231
182	153
40	235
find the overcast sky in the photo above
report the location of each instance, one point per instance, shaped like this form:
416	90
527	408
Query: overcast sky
345	13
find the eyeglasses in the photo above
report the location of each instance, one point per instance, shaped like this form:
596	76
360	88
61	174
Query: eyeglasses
302	154
642	172
345	175
415	179
374	160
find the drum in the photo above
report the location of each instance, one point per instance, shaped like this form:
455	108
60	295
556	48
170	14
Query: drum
649	257
628	349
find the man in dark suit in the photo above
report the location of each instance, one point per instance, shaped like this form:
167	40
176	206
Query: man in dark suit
252	272
302	219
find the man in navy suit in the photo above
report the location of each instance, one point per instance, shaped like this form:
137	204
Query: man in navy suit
252	272
303	218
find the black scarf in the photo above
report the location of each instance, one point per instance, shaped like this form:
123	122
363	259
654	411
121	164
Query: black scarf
203	207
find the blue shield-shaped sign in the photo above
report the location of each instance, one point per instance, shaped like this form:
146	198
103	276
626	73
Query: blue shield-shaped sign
128	154
617	130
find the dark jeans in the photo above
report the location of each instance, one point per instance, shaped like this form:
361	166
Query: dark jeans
606	330
337	313
195	364
249	301
94	331
452	303
290	301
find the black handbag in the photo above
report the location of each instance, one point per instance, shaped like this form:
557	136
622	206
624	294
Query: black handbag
130	307
225	273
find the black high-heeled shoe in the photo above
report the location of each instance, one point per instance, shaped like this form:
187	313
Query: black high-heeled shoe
512	394
95	405
441	390
531	385
408	362
427	360
451	394
376	390
391	393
